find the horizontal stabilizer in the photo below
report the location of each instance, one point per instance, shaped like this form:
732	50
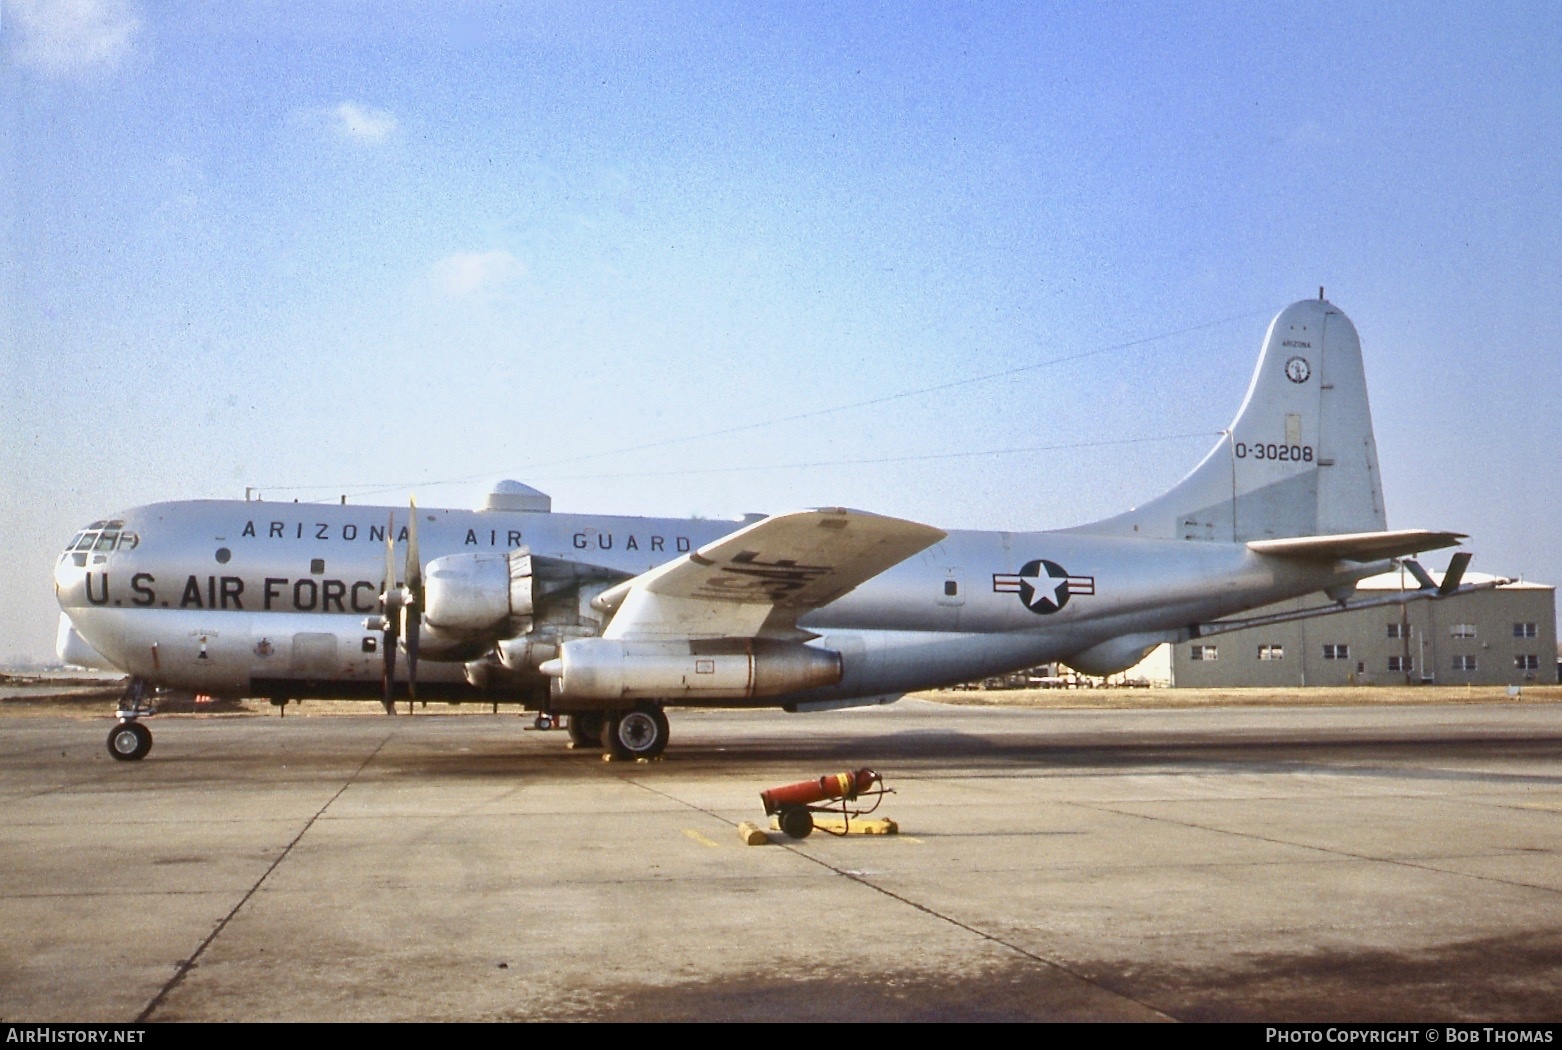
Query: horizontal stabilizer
1358	546
1424	593
1423	577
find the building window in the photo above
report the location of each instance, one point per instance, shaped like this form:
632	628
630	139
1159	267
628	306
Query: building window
1523	630
1526	662
1336	652
1399	630
1205	652
1462	630
1464	663
1271	652
1401	663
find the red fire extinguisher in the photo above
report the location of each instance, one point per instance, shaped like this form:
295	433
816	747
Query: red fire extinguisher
792	804
846	785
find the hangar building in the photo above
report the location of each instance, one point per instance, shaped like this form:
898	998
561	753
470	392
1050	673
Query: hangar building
1503	636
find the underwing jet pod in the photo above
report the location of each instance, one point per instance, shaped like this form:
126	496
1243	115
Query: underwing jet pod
608	620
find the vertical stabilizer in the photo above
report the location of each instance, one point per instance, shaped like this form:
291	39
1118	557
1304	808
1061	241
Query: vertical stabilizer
1299	460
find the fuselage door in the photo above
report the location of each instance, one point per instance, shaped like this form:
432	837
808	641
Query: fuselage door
314	655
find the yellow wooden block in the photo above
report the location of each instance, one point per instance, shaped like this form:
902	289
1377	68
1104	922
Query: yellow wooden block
838	826
879	826
752	835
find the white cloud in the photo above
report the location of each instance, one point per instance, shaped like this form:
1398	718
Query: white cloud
362	123
467	274
72	36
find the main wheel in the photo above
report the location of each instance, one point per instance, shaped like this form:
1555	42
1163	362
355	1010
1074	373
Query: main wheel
585	730
640	733
796	822
129	741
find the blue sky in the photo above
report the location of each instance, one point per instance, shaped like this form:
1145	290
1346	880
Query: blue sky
389	248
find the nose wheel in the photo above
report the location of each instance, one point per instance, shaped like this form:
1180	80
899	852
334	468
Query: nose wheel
129	741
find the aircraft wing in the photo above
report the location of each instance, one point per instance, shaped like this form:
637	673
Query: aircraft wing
1358	546
757	581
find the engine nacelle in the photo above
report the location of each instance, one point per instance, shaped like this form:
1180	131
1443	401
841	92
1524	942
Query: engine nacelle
611	669
478	595
525	653
1115	654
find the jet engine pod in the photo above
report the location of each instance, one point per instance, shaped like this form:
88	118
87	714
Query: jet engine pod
477	594
729	668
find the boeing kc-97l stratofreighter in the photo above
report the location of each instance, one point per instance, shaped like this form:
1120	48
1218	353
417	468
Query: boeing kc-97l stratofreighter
608	619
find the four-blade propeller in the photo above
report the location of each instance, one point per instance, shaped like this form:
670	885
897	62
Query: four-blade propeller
401	612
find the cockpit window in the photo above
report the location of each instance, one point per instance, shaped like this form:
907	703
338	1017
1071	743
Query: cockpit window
102	537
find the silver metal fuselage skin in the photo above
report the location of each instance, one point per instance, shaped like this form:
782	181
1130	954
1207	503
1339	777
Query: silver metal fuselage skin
245	598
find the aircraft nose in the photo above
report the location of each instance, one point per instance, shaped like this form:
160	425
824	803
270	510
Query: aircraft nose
79	549
68	578
90	547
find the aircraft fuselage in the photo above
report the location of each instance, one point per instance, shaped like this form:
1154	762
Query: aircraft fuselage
254	598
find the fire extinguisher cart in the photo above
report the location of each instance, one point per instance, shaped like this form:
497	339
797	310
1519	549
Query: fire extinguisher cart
846	793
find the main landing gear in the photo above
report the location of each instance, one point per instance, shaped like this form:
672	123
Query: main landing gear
585	730
639	732
129	740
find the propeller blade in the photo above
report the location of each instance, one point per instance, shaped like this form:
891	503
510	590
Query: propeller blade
388	699
414	563
412	655
413	608
392	619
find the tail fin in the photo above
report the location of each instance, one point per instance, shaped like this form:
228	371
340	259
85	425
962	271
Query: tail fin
1299	460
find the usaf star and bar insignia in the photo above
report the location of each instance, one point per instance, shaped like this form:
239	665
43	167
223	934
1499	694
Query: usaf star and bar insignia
1044	586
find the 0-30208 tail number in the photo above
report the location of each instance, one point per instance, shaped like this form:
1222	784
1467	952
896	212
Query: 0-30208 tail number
1283	453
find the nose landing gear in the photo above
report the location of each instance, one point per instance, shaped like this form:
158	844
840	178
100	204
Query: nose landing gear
129	740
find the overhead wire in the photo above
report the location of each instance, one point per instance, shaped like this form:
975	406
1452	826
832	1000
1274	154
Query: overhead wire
879	459
378	488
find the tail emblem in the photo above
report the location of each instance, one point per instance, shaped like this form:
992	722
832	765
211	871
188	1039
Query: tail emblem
1297	370
1044	586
